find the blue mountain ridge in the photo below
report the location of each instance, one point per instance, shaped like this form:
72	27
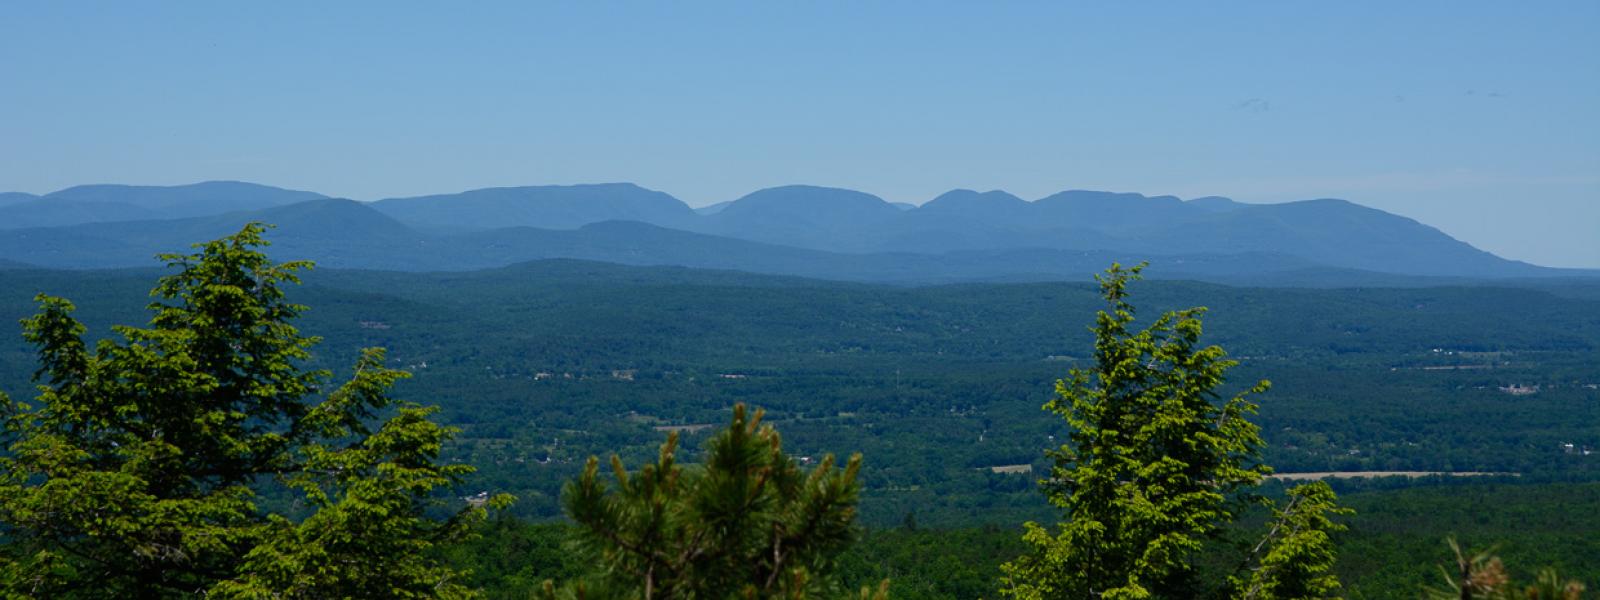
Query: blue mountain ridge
800	230
114	203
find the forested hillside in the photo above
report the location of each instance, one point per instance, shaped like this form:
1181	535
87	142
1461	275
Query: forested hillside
545	362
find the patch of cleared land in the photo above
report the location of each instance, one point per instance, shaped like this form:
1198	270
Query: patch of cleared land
1355	474
695	428
1011	469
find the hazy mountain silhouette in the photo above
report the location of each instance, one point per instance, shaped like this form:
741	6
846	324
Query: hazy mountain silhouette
548	207
10	198
347	234
111	203
1216	204
799	230
801	215
1334	233
967	211
1339	233
993	220
327	230
712	209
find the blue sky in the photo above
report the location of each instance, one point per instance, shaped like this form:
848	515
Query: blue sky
1482	119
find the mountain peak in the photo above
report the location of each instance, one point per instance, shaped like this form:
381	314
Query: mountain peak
331	218
804	215
966	197
543	206
617	187
793	199
1104	198
1215	203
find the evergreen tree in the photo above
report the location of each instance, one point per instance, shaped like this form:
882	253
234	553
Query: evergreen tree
1298	551
1157	464
135	472
747	523
1483	576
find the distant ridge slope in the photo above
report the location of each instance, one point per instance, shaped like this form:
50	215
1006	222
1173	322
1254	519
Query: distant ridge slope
1215	203
107	203
993	207
807	216
10	198
547	207
346	234
800	230
1338	233
330	230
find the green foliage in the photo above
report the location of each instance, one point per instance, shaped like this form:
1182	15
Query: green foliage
1551	586
369	531
937	383
749	522
1300	553
929	564
934	383
1389	551
512	558
1482	576
1154	468
136	472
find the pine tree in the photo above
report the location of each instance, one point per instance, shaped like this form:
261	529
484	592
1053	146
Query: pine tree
747	523
1483	576
1157	464
134	473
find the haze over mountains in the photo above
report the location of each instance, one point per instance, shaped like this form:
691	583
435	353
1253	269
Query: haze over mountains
830	233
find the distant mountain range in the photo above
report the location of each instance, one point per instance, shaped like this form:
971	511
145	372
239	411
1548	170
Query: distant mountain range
831	233
112	203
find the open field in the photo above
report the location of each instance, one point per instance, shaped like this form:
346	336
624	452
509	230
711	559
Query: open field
1358	474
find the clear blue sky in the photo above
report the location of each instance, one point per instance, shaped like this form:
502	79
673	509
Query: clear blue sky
1482	119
